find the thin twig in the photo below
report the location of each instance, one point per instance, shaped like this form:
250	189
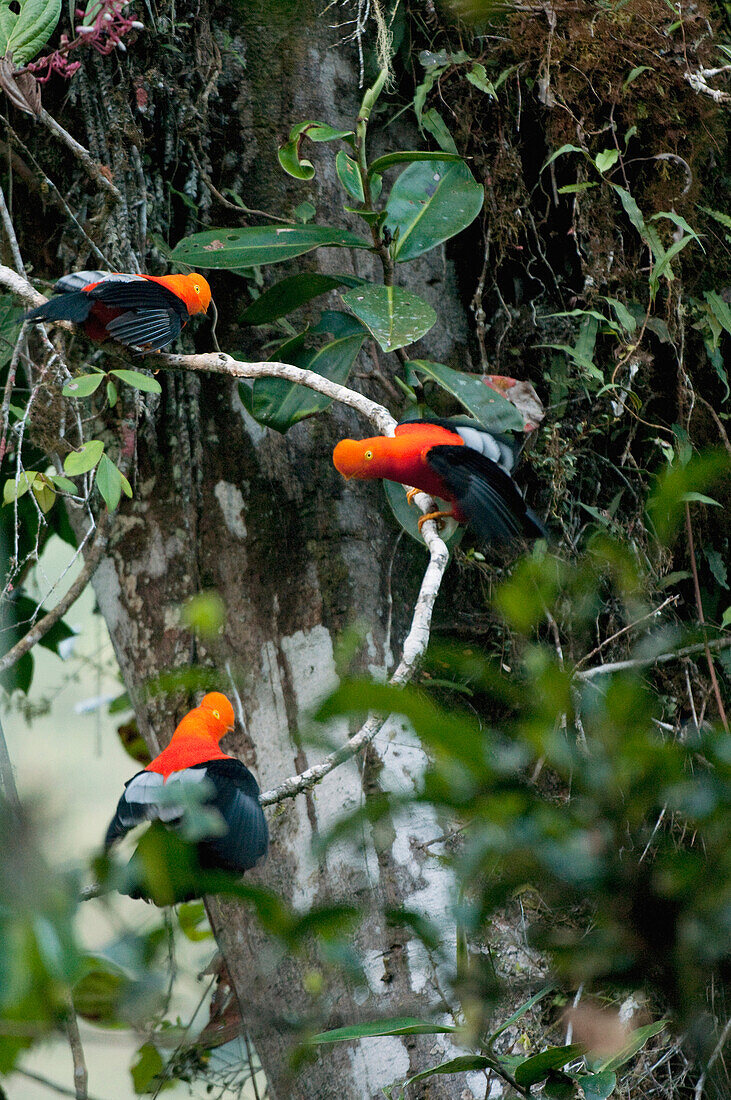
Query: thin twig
10	232
96	171
701	617
46	1081
630	626
714	644
81	1076
43	625
7	777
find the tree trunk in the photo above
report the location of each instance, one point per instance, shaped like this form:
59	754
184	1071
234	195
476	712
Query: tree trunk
296	554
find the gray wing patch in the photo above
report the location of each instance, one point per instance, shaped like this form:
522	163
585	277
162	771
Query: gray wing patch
151	328
493	447
77	280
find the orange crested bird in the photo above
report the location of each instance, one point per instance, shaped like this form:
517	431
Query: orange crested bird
458	461
142	311
194	756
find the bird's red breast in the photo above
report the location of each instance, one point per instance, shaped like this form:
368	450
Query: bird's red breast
195	740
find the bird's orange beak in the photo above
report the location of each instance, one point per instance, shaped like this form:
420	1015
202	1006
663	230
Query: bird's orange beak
347	457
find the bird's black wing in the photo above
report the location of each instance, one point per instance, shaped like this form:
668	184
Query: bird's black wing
142	802
485	493
236	799
138	294
149	328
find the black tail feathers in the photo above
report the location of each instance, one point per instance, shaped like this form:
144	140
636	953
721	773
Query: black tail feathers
66	307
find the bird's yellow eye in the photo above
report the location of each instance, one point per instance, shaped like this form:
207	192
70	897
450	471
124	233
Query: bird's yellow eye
197	289
216	714
368	454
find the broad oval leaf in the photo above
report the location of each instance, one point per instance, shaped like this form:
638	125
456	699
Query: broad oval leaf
111	483
395	317
279	404
83	385
139	380
292	292
534	1069
16	488
429	203
85	459
349	175
44	493
400	1025
24	33
260	244
494	411
598	1086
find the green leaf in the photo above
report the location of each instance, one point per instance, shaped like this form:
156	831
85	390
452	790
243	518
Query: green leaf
85	459
400	1025
493	411
464	1063
477	75
561	152
525	1007
625	318
429	203
279	404
24	33
111	394
665	504
292	292
138	380
597	1086
394	316
258	245
559	1086
289	154
204	614
637	71
575	188
433	123
635	1043
534	1069
606	159
305	212
111	482
43	493
719	308
726	618
380	165
98	994
15	489
699	498
191	917
631	209
349	175
148	1066
62	483
83	385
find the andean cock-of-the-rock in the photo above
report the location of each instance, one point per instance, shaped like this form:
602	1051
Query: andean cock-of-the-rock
458	461
194	756
142	311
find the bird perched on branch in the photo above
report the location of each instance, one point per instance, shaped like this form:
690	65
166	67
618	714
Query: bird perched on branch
193	757
142	311
458	461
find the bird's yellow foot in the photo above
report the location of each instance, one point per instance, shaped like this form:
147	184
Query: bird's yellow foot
411	494
433	515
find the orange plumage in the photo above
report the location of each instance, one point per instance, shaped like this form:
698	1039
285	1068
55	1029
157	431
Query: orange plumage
196	738
146	311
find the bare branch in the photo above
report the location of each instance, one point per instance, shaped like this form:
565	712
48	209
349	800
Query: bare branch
96	171
414	648
220	363
21	287
714	644
81	1076
7	778
43	625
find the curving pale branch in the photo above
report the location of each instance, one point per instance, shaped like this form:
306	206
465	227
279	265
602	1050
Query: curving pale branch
417	638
